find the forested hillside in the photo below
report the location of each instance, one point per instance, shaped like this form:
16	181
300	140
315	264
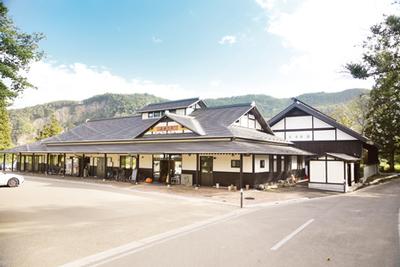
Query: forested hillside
27	122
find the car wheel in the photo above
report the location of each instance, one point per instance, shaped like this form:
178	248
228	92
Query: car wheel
13	182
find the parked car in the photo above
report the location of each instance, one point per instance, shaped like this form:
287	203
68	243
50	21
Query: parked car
10	179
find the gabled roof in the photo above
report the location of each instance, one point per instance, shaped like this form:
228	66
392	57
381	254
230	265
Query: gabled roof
205	123
184	103
297	104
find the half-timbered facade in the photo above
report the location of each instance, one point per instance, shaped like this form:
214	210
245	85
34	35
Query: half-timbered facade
314	131
176	142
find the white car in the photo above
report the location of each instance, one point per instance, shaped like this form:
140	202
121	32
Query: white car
11	179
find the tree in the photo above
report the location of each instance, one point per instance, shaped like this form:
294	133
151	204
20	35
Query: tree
17	51
51	129
381	61
353	114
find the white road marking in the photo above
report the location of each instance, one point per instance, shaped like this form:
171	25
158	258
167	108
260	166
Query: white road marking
135	246
287	238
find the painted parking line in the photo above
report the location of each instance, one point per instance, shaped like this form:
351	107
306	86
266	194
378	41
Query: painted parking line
136	246
295	232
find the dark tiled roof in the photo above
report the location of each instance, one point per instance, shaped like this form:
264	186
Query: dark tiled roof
169	147
184	103
107	129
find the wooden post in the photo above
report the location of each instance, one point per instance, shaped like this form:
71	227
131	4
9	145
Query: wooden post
4	162
33	162
64	164
105	165
46	167
12	162
24	163
82	168
241	172
197	170
20	161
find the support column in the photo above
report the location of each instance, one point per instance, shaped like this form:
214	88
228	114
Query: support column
105	165
20	162
82	168
64	164
12	162
33	162
24	163
46	167
241	172
197	170
4	162
137	167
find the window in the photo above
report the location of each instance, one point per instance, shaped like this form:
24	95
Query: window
235	163
172	111
262	164
151	115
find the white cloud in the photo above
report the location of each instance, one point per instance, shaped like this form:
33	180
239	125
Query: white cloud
156	40
322	36
79	81
215	83
227	39
266	4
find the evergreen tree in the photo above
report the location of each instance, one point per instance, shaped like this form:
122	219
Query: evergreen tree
381	61
17	51
51	129
5	128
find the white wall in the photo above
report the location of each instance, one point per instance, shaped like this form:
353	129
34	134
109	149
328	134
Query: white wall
222	163
324	135
257	159
321	124
370	170
145	116
335	172
146	161
279	125
180	111
344	136
189	162
317	171
299	136
248	164
352	172
329	187
299	122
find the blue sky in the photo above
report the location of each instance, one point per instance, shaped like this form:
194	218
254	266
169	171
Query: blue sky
178	49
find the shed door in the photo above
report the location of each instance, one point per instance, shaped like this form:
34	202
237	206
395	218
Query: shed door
206	171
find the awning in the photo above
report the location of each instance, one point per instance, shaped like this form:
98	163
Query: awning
239	147
343	156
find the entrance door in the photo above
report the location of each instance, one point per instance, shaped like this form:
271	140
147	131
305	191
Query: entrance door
206	171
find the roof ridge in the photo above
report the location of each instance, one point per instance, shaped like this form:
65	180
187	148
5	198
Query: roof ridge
173	101
231	105
114	118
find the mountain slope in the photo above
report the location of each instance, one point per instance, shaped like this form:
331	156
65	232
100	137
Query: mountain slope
28	121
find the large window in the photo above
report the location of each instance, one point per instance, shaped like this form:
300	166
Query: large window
128	162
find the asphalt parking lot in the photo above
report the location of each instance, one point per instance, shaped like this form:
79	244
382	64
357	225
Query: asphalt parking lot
48	222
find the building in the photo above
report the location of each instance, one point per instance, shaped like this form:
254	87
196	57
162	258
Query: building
172	142
342	154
